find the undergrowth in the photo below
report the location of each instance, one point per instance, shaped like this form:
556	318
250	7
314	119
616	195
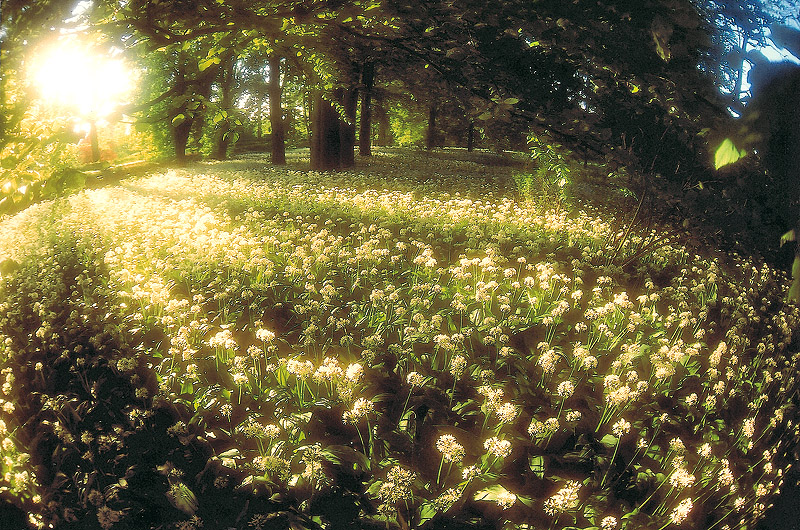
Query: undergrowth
238	346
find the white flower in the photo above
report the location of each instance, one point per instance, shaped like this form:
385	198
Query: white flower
497	447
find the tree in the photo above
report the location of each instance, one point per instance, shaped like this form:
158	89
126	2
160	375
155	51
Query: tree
738	27
275	111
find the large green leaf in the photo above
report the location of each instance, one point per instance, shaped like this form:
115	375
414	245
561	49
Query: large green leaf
727	153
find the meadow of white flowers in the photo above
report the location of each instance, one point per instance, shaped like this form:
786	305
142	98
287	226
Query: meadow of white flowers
408	339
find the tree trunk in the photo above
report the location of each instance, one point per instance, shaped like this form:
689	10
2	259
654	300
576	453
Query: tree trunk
180	131
737	88
275	110
347	128
332	140
325	135
224	130
180	138
430	137
365	131
471	135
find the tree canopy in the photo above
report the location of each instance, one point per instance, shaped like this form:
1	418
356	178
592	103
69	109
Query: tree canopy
630	82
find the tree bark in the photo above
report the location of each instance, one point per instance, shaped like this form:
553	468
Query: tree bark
275	110
430	137
325	135
471	135
365	130
737	88
224	130
332	139
180	132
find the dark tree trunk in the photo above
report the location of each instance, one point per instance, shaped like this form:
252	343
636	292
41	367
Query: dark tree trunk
347	128
471	135
332	140
275	110
383	122
180	137
325	135
181	129
365	130
224	131
430	137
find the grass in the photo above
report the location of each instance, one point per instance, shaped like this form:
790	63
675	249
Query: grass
405	345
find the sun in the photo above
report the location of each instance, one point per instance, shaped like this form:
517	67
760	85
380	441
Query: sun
82	79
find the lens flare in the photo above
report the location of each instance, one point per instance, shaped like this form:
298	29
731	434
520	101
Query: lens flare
83	80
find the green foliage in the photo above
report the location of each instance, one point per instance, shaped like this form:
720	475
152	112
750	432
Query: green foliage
550	182
727	153
408	125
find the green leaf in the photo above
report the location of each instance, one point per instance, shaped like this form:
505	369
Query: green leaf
788	236
609	440
187	387
537	465
219	116
491	493
794	290
727	153
177	120
230	453
427	512
511	101
205	63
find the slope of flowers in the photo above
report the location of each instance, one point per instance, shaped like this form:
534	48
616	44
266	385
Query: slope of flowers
406	346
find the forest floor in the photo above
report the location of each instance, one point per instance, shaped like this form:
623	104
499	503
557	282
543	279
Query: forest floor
351	333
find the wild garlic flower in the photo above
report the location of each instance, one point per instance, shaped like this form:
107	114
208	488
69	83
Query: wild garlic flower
680	478
564	499
677	445
265	335
360	409
725	475
457	365
107	517
505	499
300	369
354	372
224	340
470	472
447	499
398	485
547	360
608	523
621	428
272	431
565	389
451	450
415	379
497	447
506	413
681	512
